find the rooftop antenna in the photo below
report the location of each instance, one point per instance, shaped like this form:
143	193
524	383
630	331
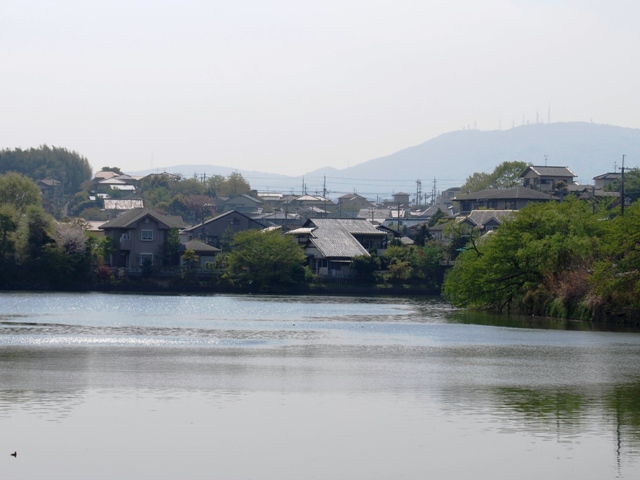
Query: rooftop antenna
545	160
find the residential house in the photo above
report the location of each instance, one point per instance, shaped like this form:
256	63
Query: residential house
399	199
331	243
52	194
351	203
206	253
607	180
139	237
485	221
445	199
507	199
311	203
213	231
240	203
284	219
546	179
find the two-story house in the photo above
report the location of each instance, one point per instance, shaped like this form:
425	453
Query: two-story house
331	243
546	179
507	199
214	230
139	237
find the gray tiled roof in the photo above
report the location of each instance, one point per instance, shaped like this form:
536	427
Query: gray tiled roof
481	217
132	216
333	237
523	193
200	247
550	171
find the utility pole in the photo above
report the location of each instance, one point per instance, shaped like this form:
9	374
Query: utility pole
434	192
324	195
622	189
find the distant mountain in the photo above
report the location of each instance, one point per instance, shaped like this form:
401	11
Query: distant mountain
587	149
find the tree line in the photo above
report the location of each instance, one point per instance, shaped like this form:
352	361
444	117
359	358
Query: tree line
569	259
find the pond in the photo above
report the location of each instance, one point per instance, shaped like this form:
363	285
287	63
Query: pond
274	387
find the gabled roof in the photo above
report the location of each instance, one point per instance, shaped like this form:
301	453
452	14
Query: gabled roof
105	174
609	176
479	218
522	193
351	197
243	196
200	247
549	171
127	219
225	214
334	237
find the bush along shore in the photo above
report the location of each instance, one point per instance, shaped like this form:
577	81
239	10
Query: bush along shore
562	259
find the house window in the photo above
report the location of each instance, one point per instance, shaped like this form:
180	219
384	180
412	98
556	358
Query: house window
146	235
125	236
145	259
234	221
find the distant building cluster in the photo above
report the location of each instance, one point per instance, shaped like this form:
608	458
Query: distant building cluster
331	232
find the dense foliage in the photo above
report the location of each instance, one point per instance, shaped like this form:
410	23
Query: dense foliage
67	167
561	259
505	175
36	251
265	261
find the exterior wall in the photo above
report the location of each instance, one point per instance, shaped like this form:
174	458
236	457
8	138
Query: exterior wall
331	268
144	240
543	183
213	232
500	204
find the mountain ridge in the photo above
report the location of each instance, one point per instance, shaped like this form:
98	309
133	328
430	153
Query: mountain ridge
589	149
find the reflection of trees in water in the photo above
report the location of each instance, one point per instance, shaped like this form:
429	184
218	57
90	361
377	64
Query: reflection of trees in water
569	412
52	405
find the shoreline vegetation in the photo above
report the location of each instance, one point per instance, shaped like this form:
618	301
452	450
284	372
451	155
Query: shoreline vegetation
567	259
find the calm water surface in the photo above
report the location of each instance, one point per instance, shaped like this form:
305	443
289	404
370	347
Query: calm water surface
250	387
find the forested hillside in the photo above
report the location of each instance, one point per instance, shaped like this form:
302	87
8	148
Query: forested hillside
67	167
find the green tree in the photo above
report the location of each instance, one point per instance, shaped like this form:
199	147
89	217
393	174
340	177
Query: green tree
8	228
18	191
265	260
191	262
504	176
214	185
616	277
112	169
536	261
365	267
67	167
436	217
235	184
171	247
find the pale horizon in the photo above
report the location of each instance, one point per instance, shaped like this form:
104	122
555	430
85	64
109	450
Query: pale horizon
288	87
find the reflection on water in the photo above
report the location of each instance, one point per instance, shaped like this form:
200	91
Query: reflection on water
308	387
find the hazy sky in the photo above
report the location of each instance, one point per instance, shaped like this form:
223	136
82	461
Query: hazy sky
293	85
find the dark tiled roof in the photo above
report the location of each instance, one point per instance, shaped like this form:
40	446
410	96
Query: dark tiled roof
482	217
132	216
200	247
222	215
550	171
522	193
609	176
334	237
